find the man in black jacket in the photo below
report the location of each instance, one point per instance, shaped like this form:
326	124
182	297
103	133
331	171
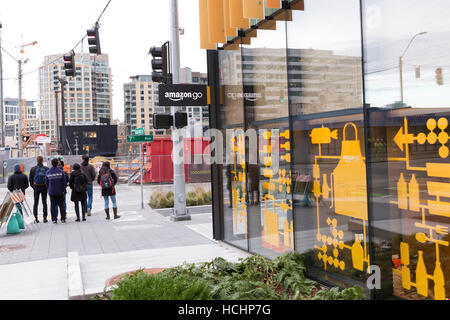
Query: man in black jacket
37	182
18	181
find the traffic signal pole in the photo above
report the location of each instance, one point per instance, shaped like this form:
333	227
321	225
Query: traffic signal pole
179	212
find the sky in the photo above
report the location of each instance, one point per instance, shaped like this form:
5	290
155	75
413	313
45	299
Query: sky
127	31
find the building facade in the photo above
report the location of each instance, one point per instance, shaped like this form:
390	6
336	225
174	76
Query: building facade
88	95
11	116
334	119
141	102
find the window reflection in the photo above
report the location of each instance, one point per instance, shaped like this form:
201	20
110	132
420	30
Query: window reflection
409	98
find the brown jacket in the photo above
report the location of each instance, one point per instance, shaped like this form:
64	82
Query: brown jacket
89	171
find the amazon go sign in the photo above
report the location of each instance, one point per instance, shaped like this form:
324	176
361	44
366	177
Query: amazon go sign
183	95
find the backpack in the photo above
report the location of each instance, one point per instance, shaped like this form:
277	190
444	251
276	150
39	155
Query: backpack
39	176
80	184
106	181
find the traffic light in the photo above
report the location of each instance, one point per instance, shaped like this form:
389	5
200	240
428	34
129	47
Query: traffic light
94	41
69	64
181	120
439	77
162	121
160	64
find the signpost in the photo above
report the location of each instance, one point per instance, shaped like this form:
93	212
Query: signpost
134	139
139	132
142	138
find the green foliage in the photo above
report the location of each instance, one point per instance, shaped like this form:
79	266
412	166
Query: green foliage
199	197
353	293
253	278
142	286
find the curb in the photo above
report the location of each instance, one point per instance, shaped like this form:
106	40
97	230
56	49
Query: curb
74	279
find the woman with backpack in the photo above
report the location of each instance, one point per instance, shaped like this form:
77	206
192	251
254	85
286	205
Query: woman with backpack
107	179
78	183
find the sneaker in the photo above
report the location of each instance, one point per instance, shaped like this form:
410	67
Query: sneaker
55	221
89	213
78	220
37	221
45	221
63	221
84	219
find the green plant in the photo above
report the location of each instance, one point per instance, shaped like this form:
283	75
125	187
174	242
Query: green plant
253	278
142	286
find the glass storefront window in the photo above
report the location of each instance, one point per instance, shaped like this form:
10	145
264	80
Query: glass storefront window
234	188
408	98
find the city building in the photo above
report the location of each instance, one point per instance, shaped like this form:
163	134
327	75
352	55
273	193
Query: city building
87	97
335	148
141	102
93	139
11	116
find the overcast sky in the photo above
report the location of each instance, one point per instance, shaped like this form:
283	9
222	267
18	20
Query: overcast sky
128	30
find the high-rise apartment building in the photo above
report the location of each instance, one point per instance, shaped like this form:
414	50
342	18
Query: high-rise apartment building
196	115
88	95
11	115
141	102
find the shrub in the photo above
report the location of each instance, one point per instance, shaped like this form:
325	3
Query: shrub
142	286
253	278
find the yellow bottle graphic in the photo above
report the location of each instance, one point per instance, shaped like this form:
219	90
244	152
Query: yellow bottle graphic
402	192
439	291
421	276
358	254
406	272
414	201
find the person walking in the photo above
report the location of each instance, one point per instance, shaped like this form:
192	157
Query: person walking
37	182
89	171
78	183
55	181
107	179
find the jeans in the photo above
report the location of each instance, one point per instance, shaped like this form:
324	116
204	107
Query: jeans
40	192
90	193
113	199
57	201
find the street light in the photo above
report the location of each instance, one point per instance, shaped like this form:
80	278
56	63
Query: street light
401	64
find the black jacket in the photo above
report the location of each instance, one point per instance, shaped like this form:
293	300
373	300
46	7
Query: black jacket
77	177
18	181
33	173
110	191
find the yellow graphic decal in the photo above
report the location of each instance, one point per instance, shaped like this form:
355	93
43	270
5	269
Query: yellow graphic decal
409	198
347	189
239	186
275	209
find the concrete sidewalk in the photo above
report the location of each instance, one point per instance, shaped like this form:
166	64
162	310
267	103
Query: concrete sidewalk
72	278
58	262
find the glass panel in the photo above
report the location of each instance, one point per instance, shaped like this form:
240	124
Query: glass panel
409	98
266	115
329	169
234	168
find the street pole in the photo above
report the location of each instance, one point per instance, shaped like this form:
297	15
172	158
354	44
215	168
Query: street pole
19	108
179	212
400	66
2	117
58	134
63	116
142	176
